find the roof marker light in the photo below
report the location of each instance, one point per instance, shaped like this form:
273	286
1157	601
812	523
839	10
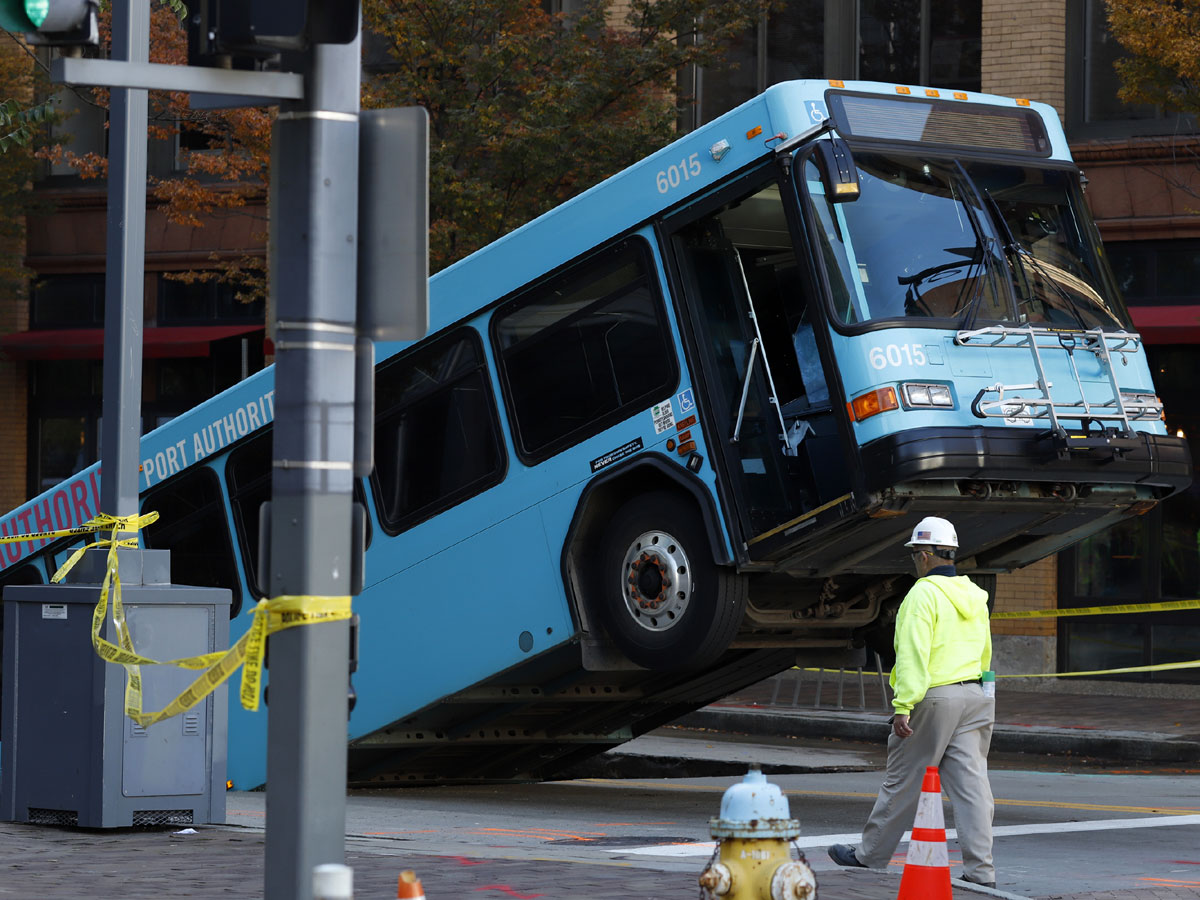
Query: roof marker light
753	132
900	89
959	95
931	92
1022	102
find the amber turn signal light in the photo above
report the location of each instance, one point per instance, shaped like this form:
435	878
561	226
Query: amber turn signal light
872	403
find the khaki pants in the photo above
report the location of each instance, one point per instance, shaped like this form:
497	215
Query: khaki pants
952	729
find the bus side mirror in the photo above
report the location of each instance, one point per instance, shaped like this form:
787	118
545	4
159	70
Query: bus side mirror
838	172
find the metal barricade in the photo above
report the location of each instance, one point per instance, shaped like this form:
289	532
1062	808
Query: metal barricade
806	695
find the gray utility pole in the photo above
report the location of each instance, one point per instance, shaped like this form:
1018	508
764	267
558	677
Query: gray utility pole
121	430
314	212
312	538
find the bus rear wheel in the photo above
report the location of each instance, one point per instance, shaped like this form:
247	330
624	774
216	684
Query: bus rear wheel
664	602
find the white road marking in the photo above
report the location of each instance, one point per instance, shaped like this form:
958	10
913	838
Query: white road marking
807	842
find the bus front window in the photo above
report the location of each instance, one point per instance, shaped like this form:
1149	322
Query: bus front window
934	239
1057	274
915	244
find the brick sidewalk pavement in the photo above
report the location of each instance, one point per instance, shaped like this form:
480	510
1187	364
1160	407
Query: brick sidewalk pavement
48	863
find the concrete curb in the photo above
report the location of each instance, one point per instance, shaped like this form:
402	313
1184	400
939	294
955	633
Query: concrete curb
957	884
1122	746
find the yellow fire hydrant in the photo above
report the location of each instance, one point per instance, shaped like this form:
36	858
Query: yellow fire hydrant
753	859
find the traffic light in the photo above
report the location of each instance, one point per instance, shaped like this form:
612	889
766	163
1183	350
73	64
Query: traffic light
57	22
245	30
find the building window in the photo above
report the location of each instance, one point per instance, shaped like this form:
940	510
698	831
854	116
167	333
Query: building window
931	42
788	44
67	301
64	421
583	350
1093	109
204	303
939	47
1157	273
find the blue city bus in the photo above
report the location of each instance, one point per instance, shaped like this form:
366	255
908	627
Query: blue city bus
668	438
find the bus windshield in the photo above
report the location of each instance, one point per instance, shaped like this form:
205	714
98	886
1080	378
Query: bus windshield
973	242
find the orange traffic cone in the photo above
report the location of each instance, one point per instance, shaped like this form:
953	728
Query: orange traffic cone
927	864
409	887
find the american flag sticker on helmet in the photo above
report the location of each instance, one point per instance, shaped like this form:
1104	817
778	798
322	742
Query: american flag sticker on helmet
923	535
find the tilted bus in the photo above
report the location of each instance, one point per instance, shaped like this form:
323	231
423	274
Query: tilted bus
667	439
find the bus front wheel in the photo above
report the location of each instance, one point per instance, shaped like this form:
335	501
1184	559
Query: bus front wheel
663	601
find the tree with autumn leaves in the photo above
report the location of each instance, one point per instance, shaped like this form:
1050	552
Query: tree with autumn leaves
526	108
1163	39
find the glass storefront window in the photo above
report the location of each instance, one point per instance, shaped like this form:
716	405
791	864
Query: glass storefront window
1112	563
1098	645
1181	547
1149	559
1176	643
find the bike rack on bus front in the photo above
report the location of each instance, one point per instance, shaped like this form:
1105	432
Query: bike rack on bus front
1120	410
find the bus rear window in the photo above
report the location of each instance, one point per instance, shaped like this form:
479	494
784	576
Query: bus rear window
583	350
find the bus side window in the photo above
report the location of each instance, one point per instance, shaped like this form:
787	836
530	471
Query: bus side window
437	435
583	350
192	525
248	480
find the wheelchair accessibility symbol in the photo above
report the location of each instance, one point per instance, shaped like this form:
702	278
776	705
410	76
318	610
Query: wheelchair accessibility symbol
817	112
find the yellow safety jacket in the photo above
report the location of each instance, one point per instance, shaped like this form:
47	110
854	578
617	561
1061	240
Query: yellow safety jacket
943	636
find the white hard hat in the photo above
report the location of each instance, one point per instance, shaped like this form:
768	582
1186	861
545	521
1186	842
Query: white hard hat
934	532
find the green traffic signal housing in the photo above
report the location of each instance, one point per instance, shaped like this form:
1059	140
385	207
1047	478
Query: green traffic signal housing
60	22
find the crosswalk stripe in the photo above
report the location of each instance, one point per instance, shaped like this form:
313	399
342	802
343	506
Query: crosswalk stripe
705	848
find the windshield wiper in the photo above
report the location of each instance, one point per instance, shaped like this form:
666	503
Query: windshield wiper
984	244
1012	245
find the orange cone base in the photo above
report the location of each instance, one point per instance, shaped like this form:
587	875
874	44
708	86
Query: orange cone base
925	883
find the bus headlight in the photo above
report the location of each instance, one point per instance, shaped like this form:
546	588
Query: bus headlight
922	395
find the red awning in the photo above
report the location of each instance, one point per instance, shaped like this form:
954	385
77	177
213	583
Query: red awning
88	343
1167	324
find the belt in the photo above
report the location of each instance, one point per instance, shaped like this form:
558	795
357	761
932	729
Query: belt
971	681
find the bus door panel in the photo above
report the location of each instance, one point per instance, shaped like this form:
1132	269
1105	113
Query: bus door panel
738	270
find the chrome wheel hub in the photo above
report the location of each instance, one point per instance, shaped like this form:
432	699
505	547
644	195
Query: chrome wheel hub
656	581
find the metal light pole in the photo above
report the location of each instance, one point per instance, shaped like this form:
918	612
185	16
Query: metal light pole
126	254
314	211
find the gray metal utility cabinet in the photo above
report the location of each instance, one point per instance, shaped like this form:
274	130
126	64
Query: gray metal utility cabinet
70	755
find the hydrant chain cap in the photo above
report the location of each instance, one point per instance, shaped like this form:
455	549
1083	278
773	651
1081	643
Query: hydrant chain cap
754	808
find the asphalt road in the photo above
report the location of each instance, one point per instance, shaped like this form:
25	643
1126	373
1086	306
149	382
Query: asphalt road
1062	829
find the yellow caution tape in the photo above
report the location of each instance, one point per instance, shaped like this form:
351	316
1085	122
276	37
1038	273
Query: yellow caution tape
1165	606
102	522
1159	667
270	616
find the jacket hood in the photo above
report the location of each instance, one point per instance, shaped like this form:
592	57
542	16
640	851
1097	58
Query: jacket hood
968	599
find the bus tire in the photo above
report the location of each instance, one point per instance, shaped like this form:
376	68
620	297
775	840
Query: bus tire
663	601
